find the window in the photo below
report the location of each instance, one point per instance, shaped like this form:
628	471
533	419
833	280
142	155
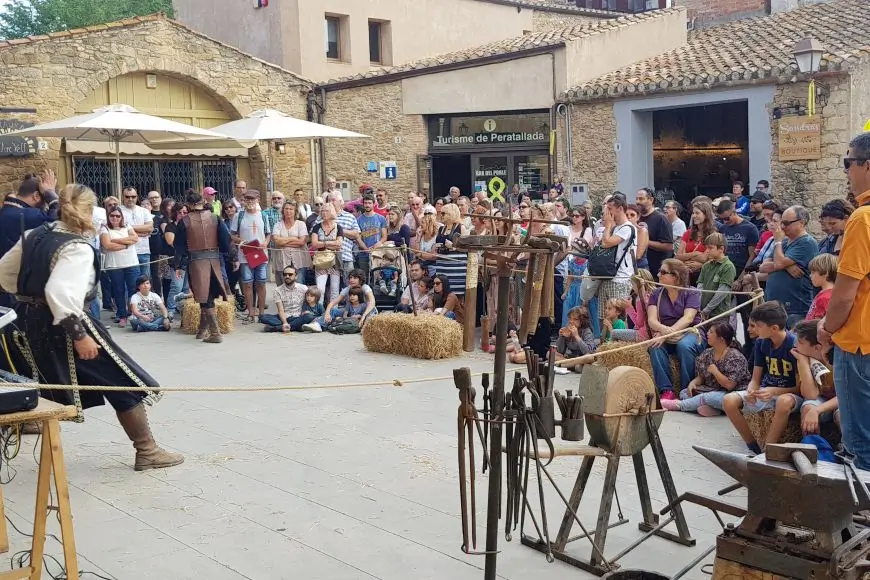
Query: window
376	52
333	37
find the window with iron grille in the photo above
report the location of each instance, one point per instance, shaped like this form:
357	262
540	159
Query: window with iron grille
170	177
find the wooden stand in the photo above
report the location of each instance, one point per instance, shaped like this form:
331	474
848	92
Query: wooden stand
726	570
47	414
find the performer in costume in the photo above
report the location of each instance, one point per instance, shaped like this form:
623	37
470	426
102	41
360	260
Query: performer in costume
53	272
200	240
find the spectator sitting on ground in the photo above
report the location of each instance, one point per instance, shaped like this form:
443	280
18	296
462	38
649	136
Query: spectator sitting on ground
355	279
147	310
445	302
721	369
289	298
672	309
823	274
575	338
614	318
355	306
717	276
774	384
816	374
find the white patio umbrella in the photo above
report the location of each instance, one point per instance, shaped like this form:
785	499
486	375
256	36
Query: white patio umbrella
117	123
265	125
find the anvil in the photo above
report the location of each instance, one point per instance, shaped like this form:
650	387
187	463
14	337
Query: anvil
778	493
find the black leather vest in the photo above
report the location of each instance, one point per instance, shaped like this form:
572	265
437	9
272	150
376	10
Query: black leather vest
40	251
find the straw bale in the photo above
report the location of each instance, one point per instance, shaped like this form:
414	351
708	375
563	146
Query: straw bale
226	314
426	336
759	424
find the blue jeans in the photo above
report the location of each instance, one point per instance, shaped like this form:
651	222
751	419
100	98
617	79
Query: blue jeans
176	286
123	283
713	399
106	290
852	381
142	326
687	350
95	308
144	266
295	323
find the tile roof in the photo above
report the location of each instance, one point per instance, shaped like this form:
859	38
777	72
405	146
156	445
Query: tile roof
136	21
542	40
746	51
564	7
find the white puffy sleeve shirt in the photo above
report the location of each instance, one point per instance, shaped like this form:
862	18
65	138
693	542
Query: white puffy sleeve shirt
70	281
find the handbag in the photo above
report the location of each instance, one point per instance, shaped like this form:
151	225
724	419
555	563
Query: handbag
602	261
323	259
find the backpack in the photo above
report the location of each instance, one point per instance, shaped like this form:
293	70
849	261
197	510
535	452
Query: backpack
602	261
344	326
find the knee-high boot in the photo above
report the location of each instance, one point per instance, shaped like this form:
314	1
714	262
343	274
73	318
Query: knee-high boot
202	331
214	330
148	454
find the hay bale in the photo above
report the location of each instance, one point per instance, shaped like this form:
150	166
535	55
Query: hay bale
759	424
426	336
632	357
226	314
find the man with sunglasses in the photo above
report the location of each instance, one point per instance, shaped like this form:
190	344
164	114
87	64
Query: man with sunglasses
848	316
142	222
289	297
788	275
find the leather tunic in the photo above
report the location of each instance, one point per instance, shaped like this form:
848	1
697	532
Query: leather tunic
204	269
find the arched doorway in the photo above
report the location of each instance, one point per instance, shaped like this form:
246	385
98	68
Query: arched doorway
169	171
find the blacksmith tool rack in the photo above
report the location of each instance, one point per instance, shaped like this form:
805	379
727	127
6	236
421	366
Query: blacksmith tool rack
522	426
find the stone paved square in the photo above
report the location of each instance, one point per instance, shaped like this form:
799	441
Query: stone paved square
318	484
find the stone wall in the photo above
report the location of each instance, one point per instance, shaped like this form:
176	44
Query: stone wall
375	111
593	137
549	20
53	75
811	183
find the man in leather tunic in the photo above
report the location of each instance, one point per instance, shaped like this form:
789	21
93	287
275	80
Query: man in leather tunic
200	240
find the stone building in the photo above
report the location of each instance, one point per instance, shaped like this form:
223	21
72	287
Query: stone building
361	36
469	117
160	67
720	104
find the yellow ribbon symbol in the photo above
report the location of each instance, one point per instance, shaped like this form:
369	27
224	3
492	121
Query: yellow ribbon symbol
867	125
496	188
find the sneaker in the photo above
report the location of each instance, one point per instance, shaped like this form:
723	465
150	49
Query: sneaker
668	396
708	411
393	291
271	329
561	370
122	322
312	327
382	287
670	404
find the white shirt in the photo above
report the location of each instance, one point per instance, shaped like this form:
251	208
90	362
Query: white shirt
561	230
125	258
72	278
99	219
625	269
138	216
679	228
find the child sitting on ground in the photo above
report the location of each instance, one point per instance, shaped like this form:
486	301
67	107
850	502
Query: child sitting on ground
311	309
576	338
816	377
721	369
148	312
774	384
717	276
823	274
356	305
614	318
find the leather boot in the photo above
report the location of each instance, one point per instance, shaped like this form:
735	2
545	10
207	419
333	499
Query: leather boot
202	331
148	454
214	331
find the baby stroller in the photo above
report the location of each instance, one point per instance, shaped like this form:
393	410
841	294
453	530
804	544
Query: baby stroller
387	277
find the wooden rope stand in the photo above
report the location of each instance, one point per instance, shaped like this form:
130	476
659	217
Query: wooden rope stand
47	414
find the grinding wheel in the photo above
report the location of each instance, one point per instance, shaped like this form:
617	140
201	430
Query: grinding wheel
617	392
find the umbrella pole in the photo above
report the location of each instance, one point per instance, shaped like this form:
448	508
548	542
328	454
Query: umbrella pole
270	173
118	191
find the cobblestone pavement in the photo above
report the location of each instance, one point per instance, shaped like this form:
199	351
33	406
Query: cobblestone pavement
317	484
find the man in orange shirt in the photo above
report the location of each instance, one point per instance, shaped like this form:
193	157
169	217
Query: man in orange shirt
848	316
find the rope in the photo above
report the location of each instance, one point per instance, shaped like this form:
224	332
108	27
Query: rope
692	329
386	383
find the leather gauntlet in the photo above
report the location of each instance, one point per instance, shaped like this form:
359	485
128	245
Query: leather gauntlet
72	324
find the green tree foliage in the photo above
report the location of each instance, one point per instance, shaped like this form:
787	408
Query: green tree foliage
30	17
